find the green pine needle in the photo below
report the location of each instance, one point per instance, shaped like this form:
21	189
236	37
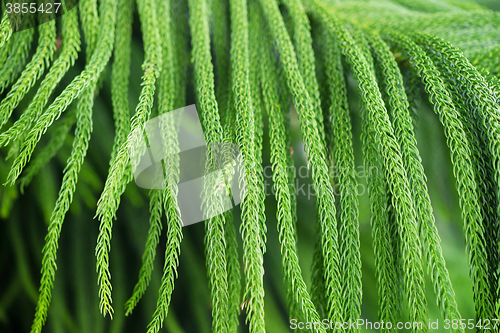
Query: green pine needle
297	297
462	163
377	122
41	59
342	154
217	266
21	46
80	145
317	160
57	140
5	30
72	91
67	57
403	128
247	133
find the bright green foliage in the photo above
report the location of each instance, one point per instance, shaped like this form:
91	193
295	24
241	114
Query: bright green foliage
462	160
316	155
120	74
216	260
481	111
69	182
60	132
362	76
5	51
18	56
221	46
170	84
110	197
90	25
247	136
69	53
413	92
254	78
5	30
83	132
298	298
80	145
403	127
377	122
72	91
33	71
303	48
342	156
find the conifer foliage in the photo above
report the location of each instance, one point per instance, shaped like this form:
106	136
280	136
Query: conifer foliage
357	74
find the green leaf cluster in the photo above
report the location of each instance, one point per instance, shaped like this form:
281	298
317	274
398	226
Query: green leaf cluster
356	73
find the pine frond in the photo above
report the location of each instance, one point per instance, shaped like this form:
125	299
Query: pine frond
120	173
462	165
383	231
257	103
120	74
360	75
174	231
148	257
204	75
413	92
247	135
170	86
180	30
21	46
284	101
482	119
90	24
233	273
32	72
5	30
221	47
398	107
80	145
303	48
298	298
69	53
316	158
172	251
55	143
377	122
318	291
342	156
214	226
299	28
72	91
5	51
